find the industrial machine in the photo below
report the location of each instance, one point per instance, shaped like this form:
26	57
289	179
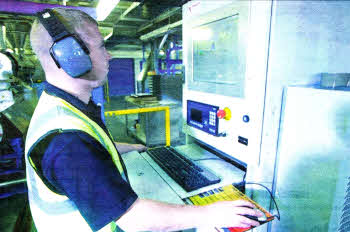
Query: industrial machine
225	54
223	96
311	183
242	59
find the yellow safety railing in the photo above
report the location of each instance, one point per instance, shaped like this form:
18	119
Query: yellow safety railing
147	110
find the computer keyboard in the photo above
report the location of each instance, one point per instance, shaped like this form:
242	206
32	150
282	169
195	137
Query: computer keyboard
185	172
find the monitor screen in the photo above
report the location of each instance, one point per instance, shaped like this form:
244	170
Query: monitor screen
219	57
196	115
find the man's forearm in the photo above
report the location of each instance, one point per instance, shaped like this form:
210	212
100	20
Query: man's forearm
149	215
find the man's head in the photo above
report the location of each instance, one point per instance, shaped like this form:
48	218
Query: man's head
78	23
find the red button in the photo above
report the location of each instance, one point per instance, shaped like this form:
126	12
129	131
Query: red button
221	114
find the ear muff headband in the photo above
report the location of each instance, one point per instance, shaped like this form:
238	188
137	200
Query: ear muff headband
68	51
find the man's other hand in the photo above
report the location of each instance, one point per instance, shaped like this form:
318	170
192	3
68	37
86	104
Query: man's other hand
139	147
127	147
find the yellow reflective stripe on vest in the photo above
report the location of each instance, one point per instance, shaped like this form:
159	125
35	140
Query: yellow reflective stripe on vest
109	145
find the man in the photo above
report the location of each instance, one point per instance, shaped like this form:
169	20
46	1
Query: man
76	178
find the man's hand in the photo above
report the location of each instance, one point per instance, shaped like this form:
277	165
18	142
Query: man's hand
127	147
231	214
139	147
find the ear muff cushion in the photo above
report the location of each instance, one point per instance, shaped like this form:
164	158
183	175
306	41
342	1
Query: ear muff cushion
71	57
68	50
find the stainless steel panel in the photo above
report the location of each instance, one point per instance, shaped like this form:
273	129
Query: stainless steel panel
151	126
313	154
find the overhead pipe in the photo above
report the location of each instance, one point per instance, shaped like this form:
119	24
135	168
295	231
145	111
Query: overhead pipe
160	31
31	8
160	18
143	74
163	41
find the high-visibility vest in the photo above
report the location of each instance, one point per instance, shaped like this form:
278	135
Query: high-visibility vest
51	211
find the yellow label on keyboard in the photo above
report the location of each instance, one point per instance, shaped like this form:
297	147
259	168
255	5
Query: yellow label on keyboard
226	193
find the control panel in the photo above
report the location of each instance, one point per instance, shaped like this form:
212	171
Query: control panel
203	116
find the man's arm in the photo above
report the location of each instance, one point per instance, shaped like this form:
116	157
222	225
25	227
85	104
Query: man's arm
127	147
102	195
149	215
82	169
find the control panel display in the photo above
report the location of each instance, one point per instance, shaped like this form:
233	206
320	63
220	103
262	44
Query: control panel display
203	116
196	115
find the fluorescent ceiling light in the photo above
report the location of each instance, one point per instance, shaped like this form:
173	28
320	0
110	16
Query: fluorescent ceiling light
104	8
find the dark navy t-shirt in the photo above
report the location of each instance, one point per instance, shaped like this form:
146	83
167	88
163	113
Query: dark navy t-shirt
76	165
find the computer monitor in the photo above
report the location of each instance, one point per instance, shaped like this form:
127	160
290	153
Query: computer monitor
215	38
218	57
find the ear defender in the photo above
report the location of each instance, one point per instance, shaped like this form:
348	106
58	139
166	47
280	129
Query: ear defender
68	51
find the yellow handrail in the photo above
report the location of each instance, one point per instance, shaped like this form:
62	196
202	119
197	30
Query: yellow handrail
146	110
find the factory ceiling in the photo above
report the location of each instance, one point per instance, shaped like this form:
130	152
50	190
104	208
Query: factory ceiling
130	25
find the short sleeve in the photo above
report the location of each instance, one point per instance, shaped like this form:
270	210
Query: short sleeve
82	169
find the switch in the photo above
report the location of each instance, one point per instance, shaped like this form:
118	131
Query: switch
243	140
221	114
225	113
246	118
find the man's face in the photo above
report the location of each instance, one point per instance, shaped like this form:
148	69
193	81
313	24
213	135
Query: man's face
98	54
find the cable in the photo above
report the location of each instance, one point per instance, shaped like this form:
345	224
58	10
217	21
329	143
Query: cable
245	174
273	199
206	159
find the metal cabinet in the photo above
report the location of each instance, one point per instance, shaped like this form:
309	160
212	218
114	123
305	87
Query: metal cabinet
149	128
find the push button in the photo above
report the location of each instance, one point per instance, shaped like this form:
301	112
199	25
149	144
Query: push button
246	118
221	114
225	113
